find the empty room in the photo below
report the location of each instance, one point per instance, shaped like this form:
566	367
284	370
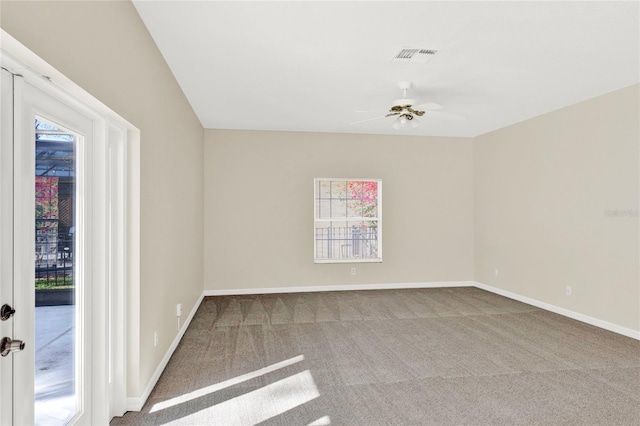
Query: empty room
318	212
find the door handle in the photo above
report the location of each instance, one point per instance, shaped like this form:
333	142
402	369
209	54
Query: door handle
7	346
6	312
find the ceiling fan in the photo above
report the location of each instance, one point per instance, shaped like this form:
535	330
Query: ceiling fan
407	112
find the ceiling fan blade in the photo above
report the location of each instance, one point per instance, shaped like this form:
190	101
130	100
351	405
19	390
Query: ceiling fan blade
368	119
445	115
429	106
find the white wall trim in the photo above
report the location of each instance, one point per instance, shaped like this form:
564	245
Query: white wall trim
634	334
136	403
345	287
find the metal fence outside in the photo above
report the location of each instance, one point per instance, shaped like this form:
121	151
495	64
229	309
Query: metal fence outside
355	242
54	259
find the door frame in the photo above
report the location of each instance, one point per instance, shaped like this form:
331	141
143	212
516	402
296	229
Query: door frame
115	233
6	238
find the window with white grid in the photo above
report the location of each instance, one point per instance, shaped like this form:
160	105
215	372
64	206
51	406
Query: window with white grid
348	220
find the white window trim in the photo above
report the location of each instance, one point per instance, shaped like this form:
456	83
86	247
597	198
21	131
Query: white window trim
377	218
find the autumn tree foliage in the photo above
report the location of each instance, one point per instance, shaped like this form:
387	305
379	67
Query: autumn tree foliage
362	197
46	197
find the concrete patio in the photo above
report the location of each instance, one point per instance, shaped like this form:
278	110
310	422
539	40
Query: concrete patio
55	398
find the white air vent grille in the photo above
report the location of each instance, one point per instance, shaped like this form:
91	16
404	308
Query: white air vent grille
414	55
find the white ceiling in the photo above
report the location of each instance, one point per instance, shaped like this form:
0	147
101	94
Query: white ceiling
310	66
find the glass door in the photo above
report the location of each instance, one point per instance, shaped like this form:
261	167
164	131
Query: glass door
51	250
56	397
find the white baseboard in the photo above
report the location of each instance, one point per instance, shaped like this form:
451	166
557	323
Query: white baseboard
562	311
345	287
136	403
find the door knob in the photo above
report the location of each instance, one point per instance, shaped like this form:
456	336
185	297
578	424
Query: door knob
7	346
6	312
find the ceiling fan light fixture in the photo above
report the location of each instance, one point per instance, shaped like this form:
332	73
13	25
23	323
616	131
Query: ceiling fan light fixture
404	120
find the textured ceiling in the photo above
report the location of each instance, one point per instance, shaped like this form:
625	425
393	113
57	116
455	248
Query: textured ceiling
319	66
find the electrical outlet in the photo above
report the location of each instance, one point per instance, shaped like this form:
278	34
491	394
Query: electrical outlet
353	271
179	309
156	338
495	272
568	290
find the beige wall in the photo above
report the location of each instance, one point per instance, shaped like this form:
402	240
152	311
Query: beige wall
542	189
259	207
105	48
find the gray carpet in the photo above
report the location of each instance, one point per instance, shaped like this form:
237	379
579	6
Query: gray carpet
404	357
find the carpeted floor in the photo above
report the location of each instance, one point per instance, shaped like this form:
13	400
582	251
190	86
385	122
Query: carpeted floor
405	357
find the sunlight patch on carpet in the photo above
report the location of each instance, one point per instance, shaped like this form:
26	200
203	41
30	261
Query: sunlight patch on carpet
262	404
223	385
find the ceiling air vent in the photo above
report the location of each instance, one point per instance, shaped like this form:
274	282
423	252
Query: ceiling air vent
414	55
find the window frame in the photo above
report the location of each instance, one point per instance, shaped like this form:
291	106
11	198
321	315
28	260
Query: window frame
317	220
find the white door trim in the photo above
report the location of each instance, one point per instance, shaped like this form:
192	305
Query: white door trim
23	265
6	239
117	278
